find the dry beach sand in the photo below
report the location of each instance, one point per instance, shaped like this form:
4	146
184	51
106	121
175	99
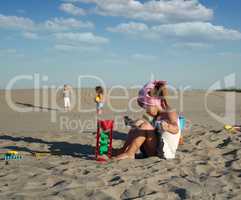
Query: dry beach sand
207	166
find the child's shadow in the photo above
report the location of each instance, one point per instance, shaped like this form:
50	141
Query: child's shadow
34	106
56	148
119	135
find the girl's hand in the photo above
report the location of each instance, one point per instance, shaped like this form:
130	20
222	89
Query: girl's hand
165	125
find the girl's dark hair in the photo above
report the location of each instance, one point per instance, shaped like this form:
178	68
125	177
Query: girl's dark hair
159	90
99	89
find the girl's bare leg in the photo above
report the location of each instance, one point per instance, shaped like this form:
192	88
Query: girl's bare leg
135	141
134	132
98	111
130	137
150	144
132	148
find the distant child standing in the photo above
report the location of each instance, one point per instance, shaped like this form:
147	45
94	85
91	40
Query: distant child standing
99	99
66	95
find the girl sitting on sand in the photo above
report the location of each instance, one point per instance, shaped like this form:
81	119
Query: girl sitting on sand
99	99
155	135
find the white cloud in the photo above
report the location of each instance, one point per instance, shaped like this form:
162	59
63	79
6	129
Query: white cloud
187	30
65	47
192	45
72	9
63	24
162	11
30	35
230	54
87	37
202	30
55	24
131	27
61	27
143	57
135	29
73	48
14	22
10	52
73	1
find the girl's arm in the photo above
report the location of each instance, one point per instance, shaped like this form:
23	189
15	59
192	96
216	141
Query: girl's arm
172	124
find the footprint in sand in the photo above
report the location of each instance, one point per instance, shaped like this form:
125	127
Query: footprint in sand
85	172
181	192
236	165
59	184
137	191
116	180
98	195
225	143
230	154
53	182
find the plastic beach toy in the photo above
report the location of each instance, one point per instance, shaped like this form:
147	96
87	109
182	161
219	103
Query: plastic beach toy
13	152
182	122
41	154
12	155
104	139
232	129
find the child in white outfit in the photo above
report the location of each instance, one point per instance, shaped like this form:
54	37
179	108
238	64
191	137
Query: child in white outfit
66	95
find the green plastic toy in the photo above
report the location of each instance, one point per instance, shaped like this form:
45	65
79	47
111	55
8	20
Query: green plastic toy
104	142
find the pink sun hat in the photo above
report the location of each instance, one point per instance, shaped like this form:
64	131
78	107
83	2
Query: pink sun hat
144	99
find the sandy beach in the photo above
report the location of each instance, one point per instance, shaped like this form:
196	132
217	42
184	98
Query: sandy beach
207	166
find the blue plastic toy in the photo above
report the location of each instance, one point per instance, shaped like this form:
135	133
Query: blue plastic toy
182	122
11	155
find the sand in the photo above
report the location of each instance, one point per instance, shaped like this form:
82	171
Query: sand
207	166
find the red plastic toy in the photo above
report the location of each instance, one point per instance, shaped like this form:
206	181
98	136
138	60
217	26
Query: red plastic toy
104	139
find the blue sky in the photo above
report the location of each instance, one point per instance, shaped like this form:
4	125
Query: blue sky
189	43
